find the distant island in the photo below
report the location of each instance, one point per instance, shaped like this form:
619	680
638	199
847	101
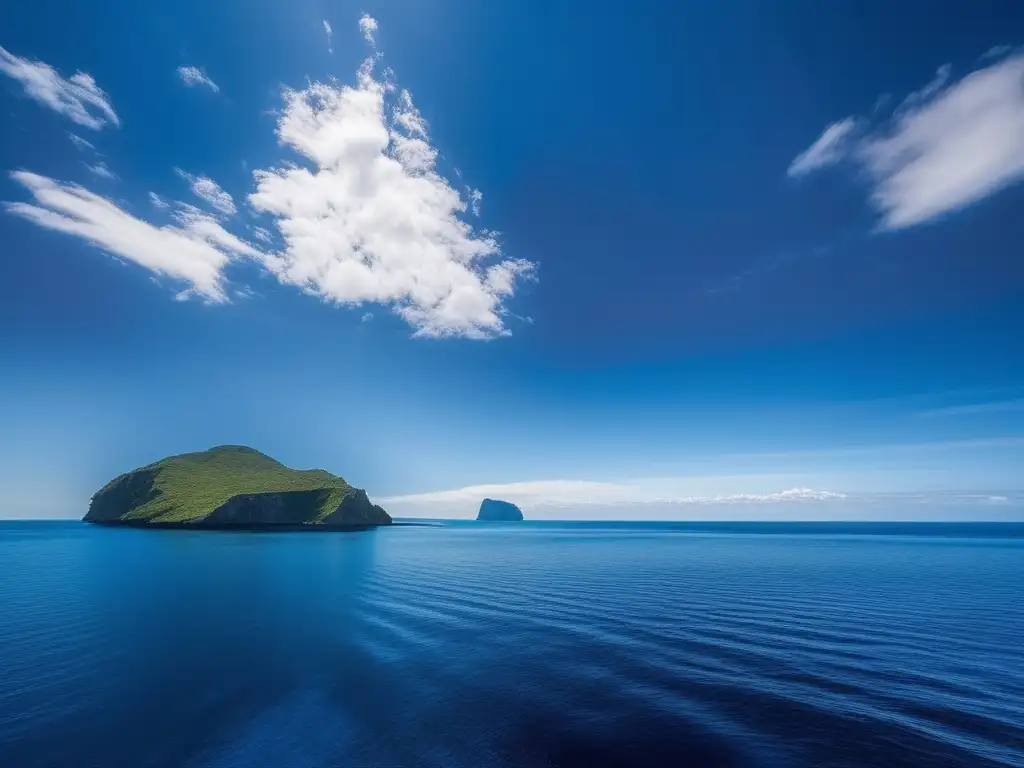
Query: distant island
495	510
232	486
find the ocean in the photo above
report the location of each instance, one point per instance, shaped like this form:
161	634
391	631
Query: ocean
531	644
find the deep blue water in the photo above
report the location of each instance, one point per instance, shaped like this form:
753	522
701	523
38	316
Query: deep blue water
526	644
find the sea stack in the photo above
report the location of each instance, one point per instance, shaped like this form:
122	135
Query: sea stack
494	510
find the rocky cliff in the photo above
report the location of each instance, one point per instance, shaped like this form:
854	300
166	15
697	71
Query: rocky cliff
496	510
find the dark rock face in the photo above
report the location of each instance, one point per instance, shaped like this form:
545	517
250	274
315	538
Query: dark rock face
291	508
128	491
357	509
283	508
496	510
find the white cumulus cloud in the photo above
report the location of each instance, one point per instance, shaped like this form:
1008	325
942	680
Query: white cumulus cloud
368	25
945	147
195	252
207	189
373	221
78	97
192	76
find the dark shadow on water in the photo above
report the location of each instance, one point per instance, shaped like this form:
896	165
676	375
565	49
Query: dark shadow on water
197	654
236	527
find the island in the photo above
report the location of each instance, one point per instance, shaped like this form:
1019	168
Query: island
494	510
232	486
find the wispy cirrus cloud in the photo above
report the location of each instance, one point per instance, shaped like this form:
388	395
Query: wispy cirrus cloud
100	169
979	443
193	76
158	202
261	234
330	36
943	148
367	219
81	143
207	189
78	97
195	252
476	199
829	149
997	51
971	409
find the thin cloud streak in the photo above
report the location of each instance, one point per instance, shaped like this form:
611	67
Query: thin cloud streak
196	251
996	406
330	36
939	445
158	202
207	189
80	143
100	169
78	97
944	147
829	149
193	76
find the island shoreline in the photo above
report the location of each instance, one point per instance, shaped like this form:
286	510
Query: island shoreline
241	528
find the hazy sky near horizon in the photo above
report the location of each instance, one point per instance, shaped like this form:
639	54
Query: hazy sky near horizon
646	261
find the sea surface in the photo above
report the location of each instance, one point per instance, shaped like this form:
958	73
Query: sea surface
533	644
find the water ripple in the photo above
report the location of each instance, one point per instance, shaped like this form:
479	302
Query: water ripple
532	645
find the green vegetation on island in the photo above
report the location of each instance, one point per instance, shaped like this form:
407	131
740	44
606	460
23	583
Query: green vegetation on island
231	486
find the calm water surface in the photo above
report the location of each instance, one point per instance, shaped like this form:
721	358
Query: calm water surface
532	644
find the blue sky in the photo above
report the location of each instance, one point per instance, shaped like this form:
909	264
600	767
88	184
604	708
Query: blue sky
655	260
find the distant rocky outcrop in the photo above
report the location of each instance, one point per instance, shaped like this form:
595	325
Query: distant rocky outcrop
496	510
232	486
